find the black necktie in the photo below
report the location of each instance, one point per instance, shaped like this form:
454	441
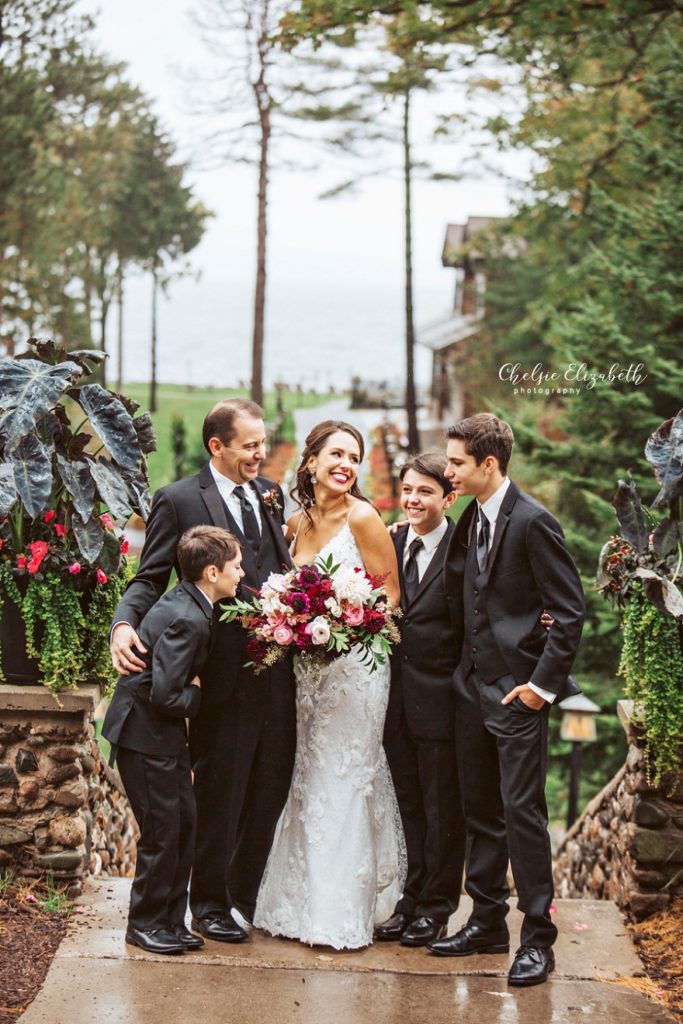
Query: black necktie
410	577
483	541
250	529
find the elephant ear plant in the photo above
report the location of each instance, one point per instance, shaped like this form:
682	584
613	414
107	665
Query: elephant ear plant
72	465
641	571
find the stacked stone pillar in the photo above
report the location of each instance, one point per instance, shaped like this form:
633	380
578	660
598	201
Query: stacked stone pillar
63	812
627	846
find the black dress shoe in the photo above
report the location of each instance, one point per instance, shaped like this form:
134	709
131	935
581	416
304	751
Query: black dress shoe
421	931
393	928
185	936
154	940
220	928
531	966
471	939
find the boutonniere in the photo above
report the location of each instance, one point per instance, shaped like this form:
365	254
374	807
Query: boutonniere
271	499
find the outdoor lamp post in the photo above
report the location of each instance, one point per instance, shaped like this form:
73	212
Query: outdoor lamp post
577	727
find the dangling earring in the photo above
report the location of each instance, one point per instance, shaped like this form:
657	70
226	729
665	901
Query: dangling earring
314	479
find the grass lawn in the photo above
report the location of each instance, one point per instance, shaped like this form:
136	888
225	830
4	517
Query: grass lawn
192	404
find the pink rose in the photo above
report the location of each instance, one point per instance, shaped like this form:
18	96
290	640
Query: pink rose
75	568
283	635
101	577
354	615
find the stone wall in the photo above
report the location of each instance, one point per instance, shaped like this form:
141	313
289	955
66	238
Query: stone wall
627	846
62	809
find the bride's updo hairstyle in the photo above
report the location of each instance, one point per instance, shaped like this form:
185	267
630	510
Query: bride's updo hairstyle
302	492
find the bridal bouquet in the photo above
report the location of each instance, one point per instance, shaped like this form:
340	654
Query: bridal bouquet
320	610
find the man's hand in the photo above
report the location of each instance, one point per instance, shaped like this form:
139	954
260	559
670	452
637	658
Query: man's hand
196	682
124	658
547	620
526	695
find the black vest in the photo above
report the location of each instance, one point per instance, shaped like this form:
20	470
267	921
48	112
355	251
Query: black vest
480	651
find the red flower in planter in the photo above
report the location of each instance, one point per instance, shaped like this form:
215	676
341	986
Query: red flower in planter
75	568
21	561
60	529
49	516
101	577
124	546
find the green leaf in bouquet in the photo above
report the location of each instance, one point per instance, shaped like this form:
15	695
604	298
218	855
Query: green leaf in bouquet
113	423
29	390
32	467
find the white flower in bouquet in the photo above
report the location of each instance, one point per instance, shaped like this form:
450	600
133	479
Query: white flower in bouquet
271	603
351	586
333	607
319	630
276	582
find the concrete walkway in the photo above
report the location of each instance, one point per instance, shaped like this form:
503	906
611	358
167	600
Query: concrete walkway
96	977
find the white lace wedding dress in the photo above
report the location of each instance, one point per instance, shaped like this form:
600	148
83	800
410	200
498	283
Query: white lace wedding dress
337	864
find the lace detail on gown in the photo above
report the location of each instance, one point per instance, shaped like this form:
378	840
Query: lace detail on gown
338	861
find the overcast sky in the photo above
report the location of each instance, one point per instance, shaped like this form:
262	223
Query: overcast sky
320	250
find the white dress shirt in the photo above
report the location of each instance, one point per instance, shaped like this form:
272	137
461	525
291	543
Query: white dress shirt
430	543
205	596
491	509
226	488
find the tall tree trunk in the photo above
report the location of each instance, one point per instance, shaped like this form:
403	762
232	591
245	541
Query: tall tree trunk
262	237
153	378
104	312
411	402
119	353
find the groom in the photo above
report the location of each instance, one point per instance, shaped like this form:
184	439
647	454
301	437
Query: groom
242	742
507	561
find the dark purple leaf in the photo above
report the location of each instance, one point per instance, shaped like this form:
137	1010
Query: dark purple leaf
138	490
662	592
30	390
8	488
110	555
32	467
666	536
630	515
79	483
112	488
112	422
144	428
664	452
89	536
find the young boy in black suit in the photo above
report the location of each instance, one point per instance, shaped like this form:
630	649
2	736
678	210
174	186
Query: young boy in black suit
420	724
145	724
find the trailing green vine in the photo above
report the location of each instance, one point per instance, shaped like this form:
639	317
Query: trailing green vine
652	666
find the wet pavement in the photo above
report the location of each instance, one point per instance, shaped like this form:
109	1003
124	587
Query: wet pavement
95	976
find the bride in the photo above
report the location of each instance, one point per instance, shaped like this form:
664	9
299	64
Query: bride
337	862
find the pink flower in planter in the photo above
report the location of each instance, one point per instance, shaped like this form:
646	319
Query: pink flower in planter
101	577
124	545
107	521
21	561
60	529
49	516
75	568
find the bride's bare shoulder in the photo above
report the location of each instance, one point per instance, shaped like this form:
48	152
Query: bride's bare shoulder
292	524
362	514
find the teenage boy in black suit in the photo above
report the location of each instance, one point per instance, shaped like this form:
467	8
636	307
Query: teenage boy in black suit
507	561
420	724
242	742
145	724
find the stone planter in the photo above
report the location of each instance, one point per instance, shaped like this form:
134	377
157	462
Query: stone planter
627	846
63	811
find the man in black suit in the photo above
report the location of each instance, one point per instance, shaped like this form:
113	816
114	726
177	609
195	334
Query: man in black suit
145	724
420	723
507	561
243	740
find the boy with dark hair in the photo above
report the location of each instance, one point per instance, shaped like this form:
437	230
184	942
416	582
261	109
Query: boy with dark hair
507	561
145	724
418	736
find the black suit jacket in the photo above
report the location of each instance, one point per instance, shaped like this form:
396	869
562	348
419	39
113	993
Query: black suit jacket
148	710
194	501
529	569
423	664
